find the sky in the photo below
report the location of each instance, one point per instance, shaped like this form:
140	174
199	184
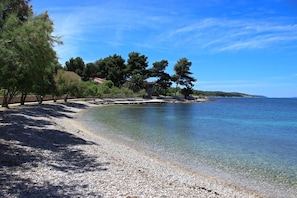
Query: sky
247	46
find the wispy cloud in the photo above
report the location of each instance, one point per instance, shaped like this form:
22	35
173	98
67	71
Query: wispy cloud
117	25
111	25
241	85
270	82
218	34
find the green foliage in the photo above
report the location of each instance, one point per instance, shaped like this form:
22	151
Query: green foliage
112	68
20	8
26	53
133	75
90	71
45	84
183	76
67	83
137	64
125	91
186	91
76	65
174	91
136	83
136	71
141	93
108	83
163	81
89	89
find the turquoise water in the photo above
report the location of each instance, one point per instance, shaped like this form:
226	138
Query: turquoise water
251	142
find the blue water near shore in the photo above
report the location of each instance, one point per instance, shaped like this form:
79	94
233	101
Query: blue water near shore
251	142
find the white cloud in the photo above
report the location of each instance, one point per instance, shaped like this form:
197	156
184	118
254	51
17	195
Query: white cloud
237	85
218	34
118	25
106	24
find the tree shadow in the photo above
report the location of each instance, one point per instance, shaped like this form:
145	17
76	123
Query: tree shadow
55	110
20	187
28	140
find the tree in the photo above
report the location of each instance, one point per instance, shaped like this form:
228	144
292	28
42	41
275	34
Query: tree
76	65
89	71
183	76
137	72
45	84
163	79
90	89
101	68
12	13
112	68
136	83
67	83
26	53
38	74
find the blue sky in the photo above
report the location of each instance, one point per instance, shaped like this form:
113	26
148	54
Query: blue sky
247	46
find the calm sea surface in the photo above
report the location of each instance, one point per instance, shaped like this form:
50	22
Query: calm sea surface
251	142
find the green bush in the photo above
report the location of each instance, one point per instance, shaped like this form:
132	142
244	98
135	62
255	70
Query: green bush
126	91
141	93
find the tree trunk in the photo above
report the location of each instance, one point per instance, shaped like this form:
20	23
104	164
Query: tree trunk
5	101
39	99
54	98
7	97
66	97
176	89
23	98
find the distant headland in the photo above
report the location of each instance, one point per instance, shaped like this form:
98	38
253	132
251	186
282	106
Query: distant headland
225	94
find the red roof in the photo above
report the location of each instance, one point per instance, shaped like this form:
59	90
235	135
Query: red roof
98	80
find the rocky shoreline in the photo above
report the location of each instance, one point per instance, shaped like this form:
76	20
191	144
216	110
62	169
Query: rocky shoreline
46	152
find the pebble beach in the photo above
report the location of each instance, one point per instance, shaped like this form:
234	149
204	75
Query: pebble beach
46	152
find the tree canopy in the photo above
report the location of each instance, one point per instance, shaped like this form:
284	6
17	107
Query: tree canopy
20	8
134	74
163	81
76	65
183	76
112	68
27	56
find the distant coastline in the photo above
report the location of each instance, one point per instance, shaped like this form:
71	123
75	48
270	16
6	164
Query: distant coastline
226	94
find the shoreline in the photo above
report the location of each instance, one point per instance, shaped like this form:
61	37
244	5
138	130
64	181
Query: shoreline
58	156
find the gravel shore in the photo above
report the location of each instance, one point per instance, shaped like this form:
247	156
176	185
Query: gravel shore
46	152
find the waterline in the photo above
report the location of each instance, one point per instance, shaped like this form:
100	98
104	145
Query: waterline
240	141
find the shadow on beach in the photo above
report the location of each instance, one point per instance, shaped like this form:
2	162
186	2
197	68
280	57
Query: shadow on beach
28	140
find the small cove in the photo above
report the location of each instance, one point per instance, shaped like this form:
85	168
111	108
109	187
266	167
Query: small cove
249	142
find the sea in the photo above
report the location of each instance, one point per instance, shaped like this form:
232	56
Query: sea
247	142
